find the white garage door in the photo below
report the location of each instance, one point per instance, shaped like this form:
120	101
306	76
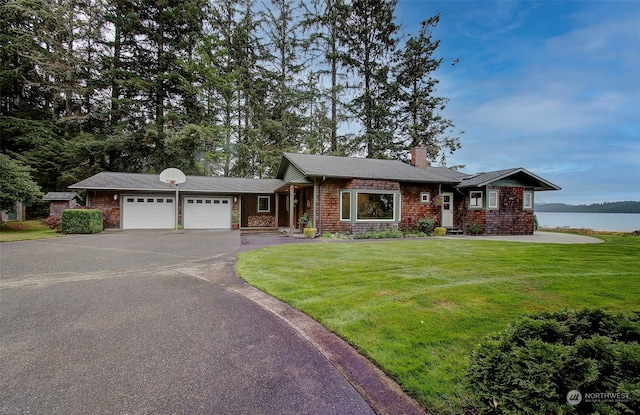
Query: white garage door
148	212
207	212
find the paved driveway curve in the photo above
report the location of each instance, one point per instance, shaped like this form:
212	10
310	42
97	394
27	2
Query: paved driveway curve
119	323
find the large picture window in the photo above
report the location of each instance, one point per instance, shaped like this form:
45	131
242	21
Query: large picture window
376	206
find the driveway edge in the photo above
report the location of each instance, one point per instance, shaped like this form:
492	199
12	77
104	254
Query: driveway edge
381	393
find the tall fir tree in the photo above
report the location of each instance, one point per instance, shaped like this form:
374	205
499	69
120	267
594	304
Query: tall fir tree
420	116
369	39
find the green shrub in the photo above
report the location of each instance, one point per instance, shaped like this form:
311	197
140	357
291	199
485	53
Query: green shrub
440	231
475	229
81	221
532	366
426	225
380	234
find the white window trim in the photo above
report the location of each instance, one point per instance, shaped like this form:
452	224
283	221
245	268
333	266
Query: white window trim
525	205
497	204
396	198
350	204
268	204
481	205
425	197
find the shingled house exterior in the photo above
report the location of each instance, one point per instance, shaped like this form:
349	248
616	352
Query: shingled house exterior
337	194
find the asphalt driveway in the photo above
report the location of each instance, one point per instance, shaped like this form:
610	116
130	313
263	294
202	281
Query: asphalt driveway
134	322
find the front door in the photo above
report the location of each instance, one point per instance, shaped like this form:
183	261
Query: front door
447	210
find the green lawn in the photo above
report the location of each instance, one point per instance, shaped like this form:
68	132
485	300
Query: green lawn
25	230
417	307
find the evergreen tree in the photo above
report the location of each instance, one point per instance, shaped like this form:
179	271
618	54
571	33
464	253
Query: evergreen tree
281	128
369	37
420	112
323	20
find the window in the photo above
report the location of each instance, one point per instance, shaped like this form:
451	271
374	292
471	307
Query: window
527	200
425	197
493	199
159	200
225	202
130	200
264	204
376	206
345	205
140	200
475	199
150	200
199	201
207	201
169	200
189	200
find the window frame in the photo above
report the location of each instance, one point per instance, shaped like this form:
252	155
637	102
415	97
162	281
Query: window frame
479	205
342	218
525	205
394	194
425	197
268	209
497	202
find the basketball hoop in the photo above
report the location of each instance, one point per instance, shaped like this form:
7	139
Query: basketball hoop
173	176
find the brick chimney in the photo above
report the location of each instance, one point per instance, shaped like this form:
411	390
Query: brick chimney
419	157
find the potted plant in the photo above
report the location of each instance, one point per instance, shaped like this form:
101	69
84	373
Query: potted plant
303	221
307	227
235	219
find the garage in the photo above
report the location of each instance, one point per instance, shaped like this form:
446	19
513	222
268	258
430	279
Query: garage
207	212
148	212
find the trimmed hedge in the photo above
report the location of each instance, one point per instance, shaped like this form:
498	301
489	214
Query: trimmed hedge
533	365
81	221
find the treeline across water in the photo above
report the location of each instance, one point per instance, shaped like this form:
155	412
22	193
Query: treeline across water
605	207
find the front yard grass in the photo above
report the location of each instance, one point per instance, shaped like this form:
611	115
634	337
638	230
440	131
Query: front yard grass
25	230
417	308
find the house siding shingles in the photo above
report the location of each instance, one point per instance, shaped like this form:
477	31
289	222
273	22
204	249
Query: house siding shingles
412	207
510	218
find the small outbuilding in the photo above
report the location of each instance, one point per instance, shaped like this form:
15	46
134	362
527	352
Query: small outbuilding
59	201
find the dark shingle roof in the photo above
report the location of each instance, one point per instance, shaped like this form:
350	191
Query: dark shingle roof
520	174
150	182
362	168
60	196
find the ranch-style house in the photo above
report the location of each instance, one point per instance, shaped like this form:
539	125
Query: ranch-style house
335	194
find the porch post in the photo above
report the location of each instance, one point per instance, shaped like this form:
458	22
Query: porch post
276	213
291	206
315	204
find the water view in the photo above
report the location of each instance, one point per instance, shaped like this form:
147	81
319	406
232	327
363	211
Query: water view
616	222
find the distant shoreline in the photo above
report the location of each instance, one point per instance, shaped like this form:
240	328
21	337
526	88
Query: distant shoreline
606	207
